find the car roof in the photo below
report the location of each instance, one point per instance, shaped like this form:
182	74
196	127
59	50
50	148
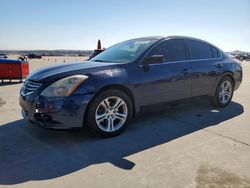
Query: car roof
150	37
176	37
171	37
186	37
191	38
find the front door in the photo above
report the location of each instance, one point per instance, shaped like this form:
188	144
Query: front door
167	81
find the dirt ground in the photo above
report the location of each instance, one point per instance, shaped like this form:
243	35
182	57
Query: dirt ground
190	145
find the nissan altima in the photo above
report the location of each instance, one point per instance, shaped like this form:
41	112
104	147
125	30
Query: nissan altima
104	93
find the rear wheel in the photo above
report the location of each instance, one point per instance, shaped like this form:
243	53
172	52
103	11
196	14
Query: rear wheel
109	113
224	93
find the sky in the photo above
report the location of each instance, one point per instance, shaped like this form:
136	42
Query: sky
78	24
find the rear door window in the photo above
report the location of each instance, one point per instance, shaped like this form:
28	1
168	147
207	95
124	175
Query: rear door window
200	50
172	49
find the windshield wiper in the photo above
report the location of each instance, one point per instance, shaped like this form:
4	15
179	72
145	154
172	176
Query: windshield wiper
98	60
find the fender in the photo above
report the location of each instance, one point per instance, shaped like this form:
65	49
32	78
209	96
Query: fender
227	73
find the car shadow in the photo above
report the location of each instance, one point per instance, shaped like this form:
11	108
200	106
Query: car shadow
28	152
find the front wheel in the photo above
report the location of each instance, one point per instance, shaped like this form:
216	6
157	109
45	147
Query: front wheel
109	113
224	93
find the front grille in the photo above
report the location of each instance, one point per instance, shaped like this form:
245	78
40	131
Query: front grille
30	87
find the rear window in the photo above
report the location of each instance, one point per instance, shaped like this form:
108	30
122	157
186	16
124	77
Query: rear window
200	50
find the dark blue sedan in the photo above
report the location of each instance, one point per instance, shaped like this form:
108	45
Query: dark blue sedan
106	92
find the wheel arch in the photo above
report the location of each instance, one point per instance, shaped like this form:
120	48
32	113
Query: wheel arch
226	74
119	87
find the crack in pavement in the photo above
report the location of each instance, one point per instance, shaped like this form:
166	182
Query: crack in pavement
212	132
228	137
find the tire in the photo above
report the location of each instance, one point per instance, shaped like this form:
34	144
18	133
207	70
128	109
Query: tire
105	117
224	93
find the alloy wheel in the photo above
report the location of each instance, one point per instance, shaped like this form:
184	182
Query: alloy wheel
225	92
111	114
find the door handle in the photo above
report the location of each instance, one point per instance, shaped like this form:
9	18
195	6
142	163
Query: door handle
219	65
186	71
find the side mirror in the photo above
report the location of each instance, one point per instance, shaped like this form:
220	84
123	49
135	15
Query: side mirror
154	59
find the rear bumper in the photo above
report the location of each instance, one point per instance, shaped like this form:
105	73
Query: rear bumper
237	85
56	113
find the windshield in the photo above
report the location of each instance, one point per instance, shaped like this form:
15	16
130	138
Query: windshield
126	51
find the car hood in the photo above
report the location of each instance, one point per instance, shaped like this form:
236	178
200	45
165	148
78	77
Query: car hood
56	72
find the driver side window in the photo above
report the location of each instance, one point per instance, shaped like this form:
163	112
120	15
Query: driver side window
172	50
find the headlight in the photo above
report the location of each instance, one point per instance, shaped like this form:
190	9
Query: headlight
64	86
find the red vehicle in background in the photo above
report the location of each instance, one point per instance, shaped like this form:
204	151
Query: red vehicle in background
13	69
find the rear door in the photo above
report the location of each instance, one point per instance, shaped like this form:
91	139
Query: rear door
206	65
166	81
